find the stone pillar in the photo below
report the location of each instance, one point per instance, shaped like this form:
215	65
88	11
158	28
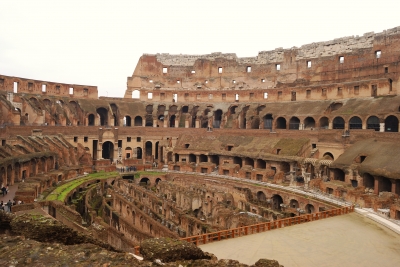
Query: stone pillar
186	123
197	124
382	127
364	125
177	123
393	185
100	150
166	121
143	122
301	126
330	126
376	185
154	122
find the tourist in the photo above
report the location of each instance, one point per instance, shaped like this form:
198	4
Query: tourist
9	204
4	190
1	205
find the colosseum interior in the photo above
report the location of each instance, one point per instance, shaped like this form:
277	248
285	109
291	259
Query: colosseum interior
203	143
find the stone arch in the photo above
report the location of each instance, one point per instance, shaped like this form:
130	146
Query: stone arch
217	118
391	124
261	196
309	123
268	121
373	122
294	204
139	152
158	180
149	148
294	123
324	123
91	120
368	180
328	155
338	123
280	123
107	150
127	121
144	181
255	123
172	119
138	121
185	109
355	122
309	208
276	201
103	113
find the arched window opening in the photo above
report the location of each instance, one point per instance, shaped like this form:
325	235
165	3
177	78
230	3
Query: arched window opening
217	118
391	124
309	123
91	120
294	123
268	122
280	123
338	123
127	121
373	123
355	123
138	121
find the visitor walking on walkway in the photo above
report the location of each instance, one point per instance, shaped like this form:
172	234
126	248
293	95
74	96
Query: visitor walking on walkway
4	190
9	205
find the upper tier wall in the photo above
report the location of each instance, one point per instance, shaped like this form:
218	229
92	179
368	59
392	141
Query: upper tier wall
313	66
22	85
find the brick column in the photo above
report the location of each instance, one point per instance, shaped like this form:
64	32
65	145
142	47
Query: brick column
376	185
393	185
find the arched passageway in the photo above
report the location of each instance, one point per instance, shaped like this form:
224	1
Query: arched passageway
294	123
103	113
261	196
324	123
149	149
355	123
276	202
139	153
309	208
373	123
91	120
391	124
217	118
138	121
268	121
280	123
338	123
294	204
172	121
107	150
144	181
309	123
127	121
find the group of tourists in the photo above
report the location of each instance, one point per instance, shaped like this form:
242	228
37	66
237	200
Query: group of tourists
7	206
127	169
4	190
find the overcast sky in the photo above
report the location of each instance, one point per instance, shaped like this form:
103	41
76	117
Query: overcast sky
99	42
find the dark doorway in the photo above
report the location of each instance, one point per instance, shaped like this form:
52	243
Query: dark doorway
108	150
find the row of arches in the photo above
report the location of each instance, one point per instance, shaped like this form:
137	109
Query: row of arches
391	122
276	202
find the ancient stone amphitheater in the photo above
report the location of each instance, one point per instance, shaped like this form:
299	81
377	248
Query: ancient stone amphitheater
204	143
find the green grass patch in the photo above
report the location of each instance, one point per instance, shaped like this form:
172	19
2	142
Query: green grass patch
61	192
